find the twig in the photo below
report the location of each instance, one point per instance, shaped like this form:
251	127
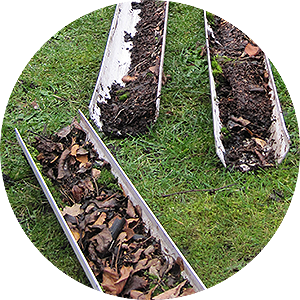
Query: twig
200	190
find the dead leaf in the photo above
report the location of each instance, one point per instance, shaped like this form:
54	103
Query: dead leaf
74	150
137	255
96	173
77	192
240	120
179	262
130	209
251	50
154	70
141	265
101	219
135	283
74	210
82	151
112	283
172	293
260	142
61	169
187	292
82	158
88	184
103	240
134	294
75	233
128	78
149	250
64	131
155	268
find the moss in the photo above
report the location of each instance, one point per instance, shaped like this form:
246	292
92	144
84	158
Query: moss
107	180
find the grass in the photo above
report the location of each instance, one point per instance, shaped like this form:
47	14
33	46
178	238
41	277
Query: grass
218	233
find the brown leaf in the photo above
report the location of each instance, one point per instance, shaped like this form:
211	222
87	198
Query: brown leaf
141	265
62	168
75	233
103	240
74	149
110	276
251	50
77	192
172	293
101	219
74	210
96	173
149	250
155	267
88	184
135	283
112	283
130	210
154	69
82	158
64	131
136	256
187	292
134	294
128	78
240	120
82	151
179	262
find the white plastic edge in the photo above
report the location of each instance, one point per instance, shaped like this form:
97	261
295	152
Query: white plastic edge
89	273
151	222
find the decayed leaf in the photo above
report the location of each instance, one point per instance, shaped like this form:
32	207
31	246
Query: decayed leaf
260	142
96	173
103	240
101	219
64	131
141	265
77	192
187	292
154	70
135	283
155	268
240	120
74	149
251	50
134	294
82	151
179	262
172	293
130	209
74	210
75	233
62	172
112	283
128	78
82	158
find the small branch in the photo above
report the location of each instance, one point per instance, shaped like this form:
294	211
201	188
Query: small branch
200	190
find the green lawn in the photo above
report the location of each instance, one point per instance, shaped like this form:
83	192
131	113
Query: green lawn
218	233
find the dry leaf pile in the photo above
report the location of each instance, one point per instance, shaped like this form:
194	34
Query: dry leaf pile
244	100
132	109
125	258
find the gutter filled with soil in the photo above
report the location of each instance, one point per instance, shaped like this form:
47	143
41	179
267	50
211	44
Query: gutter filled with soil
128	102
248	122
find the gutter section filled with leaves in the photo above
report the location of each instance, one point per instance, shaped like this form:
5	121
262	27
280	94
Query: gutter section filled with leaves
125	258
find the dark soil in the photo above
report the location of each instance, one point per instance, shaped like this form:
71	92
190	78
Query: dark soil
244	101
125	258
131	109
